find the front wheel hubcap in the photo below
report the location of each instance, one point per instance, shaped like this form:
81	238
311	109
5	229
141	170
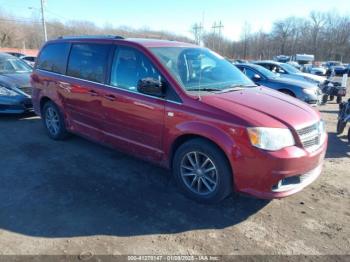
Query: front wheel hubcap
199	173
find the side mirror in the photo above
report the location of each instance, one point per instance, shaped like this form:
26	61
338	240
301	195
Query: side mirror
151	86
256	77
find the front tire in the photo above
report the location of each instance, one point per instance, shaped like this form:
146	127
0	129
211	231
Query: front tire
202	171
54	121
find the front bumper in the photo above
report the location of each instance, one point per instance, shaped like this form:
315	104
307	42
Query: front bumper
15	105
278	174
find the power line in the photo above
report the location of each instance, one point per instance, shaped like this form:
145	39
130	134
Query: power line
24	20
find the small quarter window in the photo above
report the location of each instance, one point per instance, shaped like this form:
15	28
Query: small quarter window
88	61
53	58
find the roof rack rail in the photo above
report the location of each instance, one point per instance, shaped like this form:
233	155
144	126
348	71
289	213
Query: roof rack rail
91	36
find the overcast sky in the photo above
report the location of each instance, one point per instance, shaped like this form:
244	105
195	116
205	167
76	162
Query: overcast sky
176	16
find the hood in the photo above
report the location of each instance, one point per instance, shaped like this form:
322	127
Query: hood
339	67
319	79
19	79
264	107
294	82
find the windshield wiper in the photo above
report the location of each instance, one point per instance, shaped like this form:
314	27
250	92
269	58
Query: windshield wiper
236	87
204	89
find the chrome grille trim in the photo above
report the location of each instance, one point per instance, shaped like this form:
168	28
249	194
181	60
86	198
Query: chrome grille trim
310	137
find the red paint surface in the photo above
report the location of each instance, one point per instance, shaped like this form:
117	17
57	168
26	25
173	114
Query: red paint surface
140	125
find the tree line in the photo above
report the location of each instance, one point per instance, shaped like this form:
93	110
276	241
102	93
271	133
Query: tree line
28	33
324	34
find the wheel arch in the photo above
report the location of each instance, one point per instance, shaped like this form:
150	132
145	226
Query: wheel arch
212	134
43	101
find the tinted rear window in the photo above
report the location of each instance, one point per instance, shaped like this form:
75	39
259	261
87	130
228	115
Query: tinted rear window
53	58
88	61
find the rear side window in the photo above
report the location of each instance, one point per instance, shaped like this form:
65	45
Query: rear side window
88	61
53	58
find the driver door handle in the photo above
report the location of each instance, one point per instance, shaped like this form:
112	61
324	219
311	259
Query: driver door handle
93	93
110	97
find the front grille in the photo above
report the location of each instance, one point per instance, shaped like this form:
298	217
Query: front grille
27	90
310	137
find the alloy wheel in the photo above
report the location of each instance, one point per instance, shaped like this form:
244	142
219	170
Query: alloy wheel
199	173
52	121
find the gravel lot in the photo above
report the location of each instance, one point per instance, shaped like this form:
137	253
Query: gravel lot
76	197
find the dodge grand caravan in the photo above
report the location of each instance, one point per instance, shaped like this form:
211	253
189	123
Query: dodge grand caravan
183	107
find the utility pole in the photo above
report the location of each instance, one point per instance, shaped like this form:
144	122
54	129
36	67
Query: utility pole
197	31
214	34
43	20
218	26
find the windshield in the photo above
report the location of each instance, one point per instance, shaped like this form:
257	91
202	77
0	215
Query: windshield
290	69
13	65
267	73
201	69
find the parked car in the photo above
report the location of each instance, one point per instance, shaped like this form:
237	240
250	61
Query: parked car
315	70
16	54
288	71
183	107
30	60
302	90
343	118
295	64
336	66
282	58
15	88
239	61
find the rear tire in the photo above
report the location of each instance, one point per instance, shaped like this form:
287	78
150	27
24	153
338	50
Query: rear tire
339	99
202	171
54	122
340	127
331	98
324	99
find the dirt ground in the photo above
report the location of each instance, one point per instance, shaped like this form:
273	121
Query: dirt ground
76	197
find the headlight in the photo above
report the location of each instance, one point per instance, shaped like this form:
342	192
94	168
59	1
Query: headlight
7	92
272	139
310	91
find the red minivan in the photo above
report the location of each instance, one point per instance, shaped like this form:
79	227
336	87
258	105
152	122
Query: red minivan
183	107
